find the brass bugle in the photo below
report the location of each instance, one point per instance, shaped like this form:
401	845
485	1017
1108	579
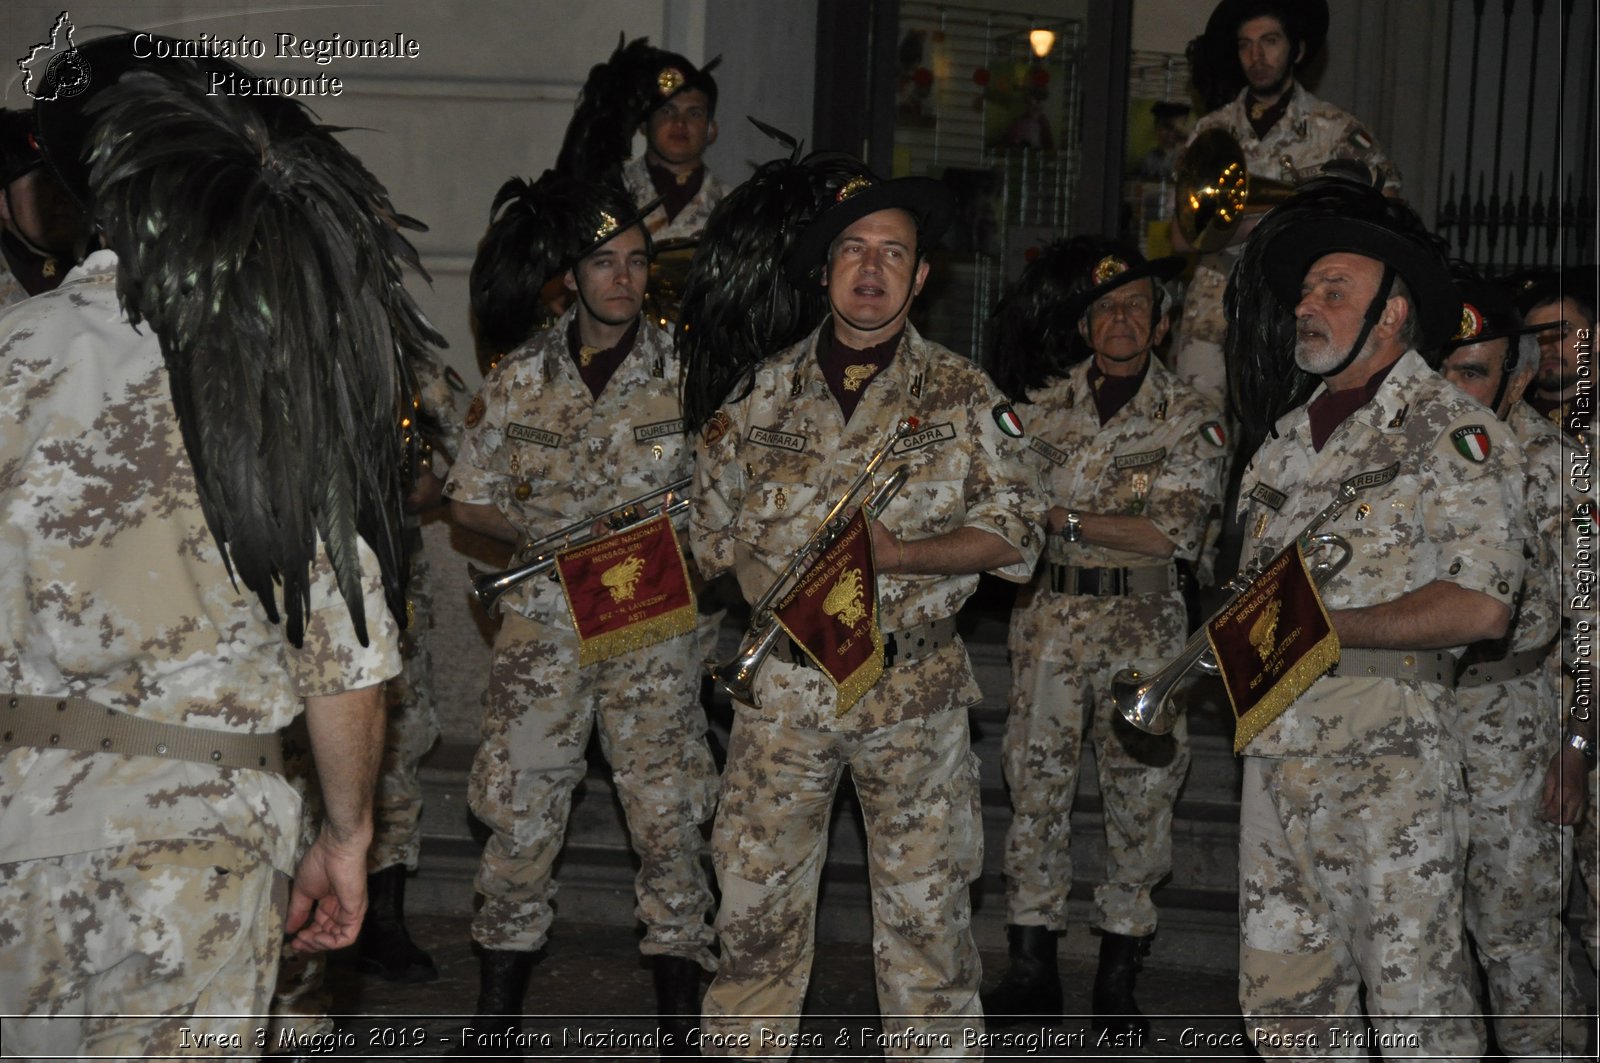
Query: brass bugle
1214	190
487	587
740	671
1145	701
737	676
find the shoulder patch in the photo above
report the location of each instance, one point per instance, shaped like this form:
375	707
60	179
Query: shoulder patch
1359	138
474	412
716	428
1007	419
1472	442
1214	433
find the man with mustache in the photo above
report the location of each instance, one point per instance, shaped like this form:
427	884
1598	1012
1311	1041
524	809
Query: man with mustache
1353	814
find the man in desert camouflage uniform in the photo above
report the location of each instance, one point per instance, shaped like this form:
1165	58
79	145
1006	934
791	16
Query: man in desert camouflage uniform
680	125
300	1002
581	419
1510	713
147	833
1353	820
771	466
1286	134
1131	460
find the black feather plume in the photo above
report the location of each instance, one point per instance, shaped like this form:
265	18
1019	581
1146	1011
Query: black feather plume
615	98
1036	338
269	263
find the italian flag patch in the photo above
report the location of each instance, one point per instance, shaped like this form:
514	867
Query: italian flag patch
1472	442
1214	433
1007	419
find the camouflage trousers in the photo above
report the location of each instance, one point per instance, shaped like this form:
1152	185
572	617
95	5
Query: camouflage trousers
1059	681
1351	873
411	730
541	708
1586	840
917	782
1516	861
114	952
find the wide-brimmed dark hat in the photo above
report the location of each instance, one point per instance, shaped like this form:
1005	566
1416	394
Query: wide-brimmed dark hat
1546	284
930	202
61	103
1109	267
1488	312
1304	20
1332	214
669	74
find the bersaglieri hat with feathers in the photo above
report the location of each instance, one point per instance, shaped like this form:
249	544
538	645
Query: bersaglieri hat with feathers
1327	214
932	203
269	264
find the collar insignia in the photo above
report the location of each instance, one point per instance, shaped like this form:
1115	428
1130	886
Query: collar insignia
857	375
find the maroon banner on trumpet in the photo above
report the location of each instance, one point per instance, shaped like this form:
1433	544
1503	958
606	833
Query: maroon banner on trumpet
1272	643
832	613
627	590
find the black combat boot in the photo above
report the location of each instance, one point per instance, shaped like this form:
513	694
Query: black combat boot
1118	1022
678	1003
384	947
1031	987
502	986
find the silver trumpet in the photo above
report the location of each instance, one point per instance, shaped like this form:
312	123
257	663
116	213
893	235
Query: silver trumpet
737	676
487	587
1145	701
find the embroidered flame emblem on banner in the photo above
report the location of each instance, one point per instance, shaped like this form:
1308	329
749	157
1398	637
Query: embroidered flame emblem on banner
832	613
627	590
1271	643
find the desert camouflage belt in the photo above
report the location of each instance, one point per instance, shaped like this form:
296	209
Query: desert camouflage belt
1113	582
79	723
1503	670
899	647
1425	666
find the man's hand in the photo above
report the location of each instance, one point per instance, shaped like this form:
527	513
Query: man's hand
426	493
1563	798
329	896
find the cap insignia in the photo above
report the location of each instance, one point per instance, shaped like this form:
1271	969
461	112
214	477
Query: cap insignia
670	80
1109	267
607	226
851	187
1471	322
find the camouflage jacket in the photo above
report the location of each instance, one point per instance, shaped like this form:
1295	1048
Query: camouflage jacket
112	588
437	388
1310	133
690	220
1444	501
543	451
773	464
1161	457
1547	590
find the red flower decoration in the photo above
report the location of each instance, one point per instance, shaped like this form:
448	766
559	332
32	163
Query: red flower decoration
923	77
980	76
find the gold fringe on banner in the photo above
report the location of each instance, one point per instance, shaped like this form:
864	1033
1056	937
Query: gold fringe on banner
679	621
1296	681
858	682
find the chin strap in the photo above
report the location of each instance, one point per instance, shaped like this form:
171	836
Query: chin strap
1368	323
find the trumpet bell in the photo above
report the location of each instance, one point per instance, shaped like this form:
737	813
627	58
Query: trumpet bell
1145	701
1215	190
